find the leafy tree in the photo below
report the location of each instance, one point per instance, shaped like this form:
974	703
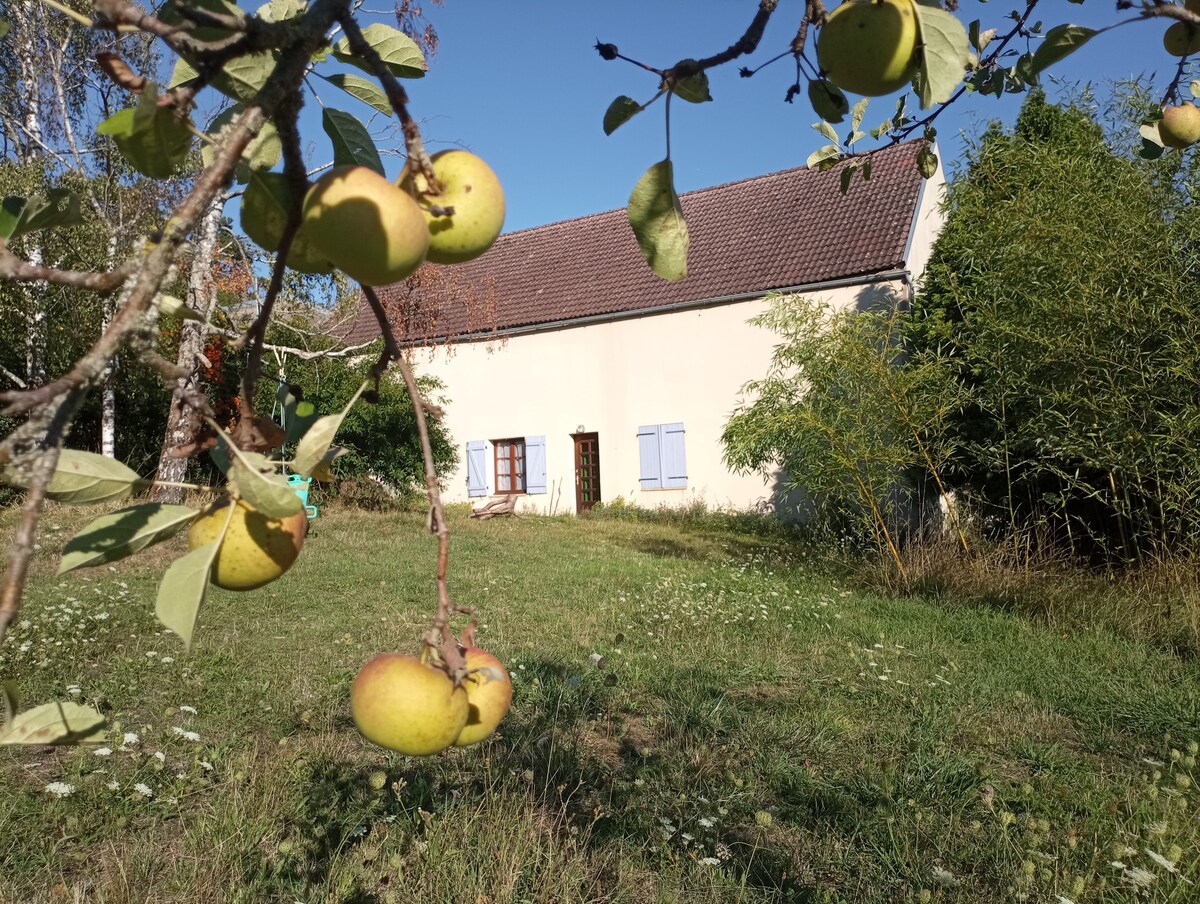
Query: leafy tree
1076	346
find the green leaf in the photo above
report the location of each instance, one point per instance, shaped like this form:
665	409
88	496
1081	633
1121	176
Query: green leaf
243	77
352	142
366	91
58	207
265	206
1150	150
1060	42
169	13
856	114
263	152
319	437
84	477
263	488
3	28
827	100
694	88
121	534
300	418
823	158
12	700
945	54
281	10
927	163
619	112
400	52
151	138
183	73
182	590
55	723
1149	132
657	220
827	130
846	176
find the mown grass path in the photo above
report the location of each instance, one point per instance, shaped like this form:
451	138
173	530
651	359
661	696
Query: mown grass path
757	730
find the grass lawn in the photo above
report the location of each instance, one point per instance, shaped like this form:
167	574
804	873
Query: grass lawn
757	730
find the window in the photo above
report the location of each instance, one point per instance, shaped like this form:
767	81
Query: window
664	465
519	465
510	465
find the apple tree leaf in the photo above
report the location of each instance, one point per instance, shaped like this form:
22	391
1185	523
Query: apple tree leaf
352	142
398	51
300	416
266	203
170	306
183	73
170	13
121	534
694	88
1060	42
54	723
319	437
657	220
827	100
827	130
945	54
927	162
58	207
83	477
151	138
182	590
243	77
281	10
1149	132
619	112
366	91
824	157
263	488
263	152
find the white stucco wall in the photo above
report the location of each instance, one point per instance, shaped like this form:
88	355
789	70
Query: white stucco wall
611	378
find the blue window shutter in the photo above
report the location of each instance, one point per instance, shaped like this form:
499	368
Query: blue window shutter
476	468
535	464
648	449
674	462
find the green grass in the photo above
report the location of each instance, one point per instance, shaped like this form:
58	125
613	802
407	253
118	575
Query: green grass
759	732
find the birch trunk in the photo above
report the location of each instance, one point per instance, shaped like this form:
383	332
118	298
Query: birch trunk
202	298
25	39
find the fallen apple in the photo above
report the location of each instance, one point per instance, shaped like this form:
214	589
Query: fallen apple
365	225
469	187
1180	126
407	705
869	47
489	694
256	549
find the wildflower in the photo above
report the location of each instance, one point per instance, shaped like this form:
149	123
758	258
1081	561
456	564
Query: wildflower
102	751
190	710
705	822
143	789
130	739
942	876
167	660
185	734
113	786
709	861
206	765
60	789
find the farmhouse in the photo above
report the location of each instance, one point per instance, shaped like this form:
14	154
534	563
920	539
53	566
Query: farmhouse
574	375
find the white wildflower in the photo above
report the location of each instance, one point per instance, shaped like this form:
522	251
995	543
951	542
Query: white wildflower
167	660
102	751
709	861
185	734
130	739
113	786
1059	899
942	876
706	822
160	756
190	710
206	765
60	789
143	789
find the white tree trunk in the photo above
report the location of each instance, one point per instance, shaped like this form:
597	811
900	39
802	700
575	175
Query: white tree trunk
108	394
25	40
202	298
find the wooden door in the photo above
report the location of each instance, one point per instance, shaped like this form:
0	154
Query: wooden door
587	470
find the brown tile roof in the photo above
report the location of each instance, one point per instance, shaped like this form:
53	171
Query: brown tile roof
784	229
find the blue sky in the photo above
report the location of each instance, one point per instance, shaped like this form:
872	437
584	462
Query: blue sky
519	83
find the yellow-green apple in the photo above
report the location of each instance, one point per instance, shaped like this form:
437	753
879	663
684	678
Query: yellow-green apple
489	693
365	225
256	549
472	189
1180	126
407	705
1181	39
869	47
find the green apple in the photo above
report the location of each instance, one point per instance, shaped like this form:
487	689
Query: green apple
1180	126
407	705
365	225
489	694
869	47
472	189
256	549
